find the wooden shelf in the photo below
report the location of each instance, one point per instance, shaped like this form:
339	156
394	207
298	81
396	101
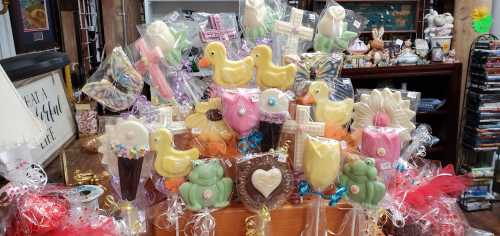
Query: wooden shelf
433	80
441	112
288	220
402	72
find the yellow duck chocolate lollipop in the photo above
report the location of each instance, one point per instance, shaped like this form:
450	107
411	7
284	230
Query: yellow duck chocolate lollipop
227	73
321	162
171	163
270	75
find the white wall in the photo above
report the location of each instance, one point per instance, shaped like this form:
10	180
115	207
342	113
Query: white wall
7	48
496	18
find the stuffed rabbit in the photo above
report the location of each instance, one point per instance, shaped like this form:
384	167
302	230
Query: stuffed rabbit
377	45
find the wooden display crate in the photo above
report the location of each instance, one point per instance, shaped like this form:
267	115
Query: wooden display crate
288	220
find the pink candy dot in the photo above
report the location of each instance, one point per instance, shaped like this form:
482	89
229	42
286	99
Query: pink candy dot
381	119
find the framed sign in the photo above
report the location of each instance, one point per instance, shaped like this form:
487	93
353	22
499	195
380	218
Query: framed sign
46	98
35	25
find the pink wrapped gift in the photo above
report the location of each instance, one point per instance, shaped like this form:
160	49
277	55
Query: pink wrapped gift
383	144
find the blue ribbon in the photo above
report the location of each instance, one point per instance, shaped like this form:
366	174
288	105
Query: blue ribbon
250	142
304	188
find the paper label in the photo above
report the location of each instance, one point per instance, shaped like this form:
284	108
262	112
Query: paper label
356	24
255	98
83	106
228	163
282	158
385	166
196	131
399	42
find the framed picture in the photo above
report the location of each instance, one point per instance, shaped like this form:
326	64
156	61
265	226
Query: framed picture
35	25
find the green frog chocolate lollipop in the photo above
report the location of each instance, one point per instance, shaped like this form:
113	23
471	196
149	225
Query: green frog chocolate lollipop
207	186
360	178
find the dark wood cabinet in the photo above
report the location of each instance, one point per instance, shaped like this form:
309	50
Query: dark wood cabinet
442	81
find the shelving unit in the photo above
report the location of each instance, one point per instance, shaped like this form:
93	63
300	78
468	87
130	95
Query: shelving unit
416	15
155	9
442	81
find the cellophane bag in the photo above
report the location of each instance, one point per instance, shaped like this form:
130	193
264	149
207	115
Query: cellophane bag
337	28
292	33
173	38
212	136
221	27
257	19
202	197
116	84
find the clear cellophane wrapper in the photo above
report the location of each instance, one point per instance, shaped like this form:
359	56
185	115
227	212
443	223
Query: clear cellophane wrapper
240	109
337	28
56	210
265	182
116	84
211	135
203	197
384	145
221	27
291	37
257	19
169	42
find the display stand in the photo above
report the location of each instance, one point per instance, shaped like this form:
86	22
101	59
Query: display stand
288	220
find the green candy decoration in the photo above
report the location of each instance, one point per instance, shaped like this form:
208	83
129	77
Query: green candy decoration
182	43
207	186
483	25
323	43
360	178
332	34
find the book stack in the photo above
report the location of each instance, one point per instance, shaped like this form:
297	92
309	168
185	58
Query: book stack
482	124
481	136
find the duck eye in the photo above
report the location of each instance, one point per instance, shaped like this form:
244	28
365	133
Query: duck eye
257	55
317	91
212	53
156	139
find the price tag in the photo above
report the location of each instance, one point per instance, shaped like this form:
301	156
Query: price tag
385	166
399	42
195	131
356	24
254	98
282	158
228	163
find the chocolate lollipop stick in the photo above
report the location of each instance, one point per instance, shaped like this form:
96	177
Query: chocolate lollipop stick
270	135
130	173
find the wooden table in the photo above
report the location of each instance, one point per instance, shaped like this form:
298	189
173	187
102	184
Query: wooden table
288	220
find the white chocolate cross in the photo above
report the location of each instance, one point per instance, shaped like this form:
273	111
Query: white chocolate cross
301	127
294	30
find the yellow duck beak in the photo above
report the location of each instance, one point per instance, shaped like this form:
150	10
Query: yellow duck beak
308	99
204	62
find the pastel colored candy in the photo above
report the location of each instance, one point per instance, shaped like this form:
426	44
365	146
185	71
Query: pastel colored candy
382	144
360	178
321	162
241	110
269	75
207	186
171	163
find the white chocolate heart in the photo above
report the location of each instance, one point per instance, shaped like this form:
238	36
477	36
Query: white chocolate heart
266	181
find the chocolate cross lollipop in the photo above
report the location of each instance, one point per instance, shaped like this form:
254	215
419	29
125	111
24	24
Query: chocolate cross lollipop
294	30
301	127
